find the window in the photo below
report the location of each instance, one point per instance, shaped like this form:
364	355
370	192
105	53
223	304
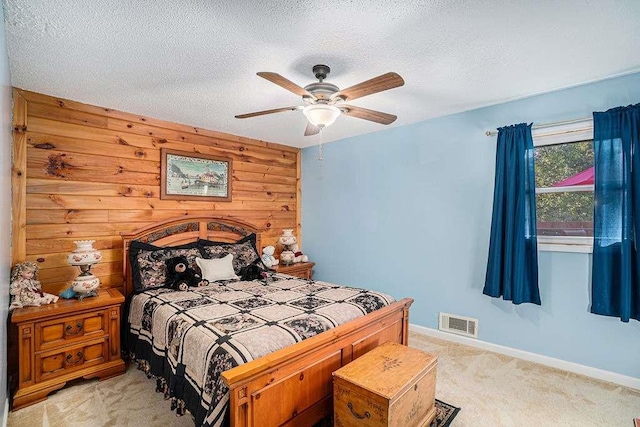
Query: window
564	186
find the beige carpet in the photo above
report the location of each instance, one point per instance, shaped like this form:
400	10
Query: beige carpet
497	390
492	390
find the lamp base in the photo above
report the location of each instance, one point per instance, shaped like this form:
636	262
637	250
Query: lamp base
85	285
82	296
287	257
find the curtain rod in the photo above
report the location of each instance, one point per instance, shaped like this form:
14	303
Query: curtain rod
548	125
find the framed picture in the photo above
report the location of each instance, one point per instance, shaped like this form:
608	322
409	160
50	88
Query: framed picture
194	176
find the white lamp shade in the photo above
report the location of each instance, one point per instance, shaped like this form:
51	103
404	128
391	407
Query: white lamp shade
321	115
84	254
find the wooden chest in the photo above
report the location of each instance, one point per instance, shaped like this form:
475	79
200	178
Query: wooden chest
392	385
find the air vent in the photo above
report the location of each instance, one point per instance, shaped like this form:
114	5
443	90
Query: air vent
459	325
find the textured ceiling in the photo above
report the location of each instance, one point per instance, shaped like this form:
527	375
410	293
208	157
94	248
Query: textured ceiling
195	62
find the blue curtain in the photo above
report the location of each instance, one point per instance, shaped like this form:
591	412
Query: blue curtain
615	279
512	269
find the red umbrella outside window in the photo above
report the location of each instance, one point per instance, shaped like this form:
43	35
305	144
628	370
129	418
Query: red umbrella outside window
586	177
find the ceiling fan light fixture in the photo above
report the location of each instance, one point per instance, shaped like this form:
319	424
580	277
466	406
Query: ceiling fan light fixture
321	115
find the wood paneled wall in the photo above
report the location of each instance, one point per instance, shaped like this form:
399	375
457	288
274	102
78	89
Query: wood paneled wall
84	172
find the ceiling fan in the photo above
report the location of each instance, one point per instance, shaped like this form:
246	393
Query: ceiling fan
324	101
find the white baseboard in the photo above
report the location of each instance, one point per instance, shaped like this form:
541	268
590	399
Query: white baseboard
576	368
5	415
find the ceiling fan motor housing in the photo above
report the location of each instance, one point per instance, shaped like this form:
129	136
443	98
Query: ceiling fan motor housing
321	90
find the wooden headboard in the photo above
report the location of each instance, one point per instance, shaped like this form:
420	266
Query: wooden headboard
186	229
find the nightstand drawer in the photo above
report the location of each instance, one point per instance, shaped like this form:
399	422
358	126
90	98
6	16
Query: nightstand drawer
51	364
63	331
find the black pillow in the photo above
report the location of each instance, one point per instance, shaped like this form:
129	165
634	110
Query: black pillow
248	238
244	251
148	267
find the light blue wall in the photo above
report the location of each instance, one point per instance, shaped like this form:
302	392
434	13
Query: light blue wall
407	211
5	207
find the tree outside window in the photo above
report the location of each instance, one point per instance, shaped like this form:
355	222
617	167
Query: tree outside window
564	189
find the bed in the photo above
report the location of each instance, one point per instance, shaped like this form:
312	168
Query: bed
289	386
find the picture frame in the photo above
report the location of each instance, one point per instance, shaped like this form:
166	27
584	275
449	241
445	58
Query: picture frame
195	176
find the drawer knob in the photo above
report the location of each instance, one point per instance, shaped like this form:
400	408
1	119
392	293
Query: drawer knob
69	328
70	360
355	414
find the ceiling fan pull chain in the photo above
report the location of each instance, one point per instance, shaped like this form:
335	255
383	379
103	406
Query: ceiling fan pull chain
320	146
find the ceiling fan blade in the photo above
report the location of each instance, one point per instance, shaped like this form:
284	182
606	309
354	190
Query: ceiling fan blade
262	113
369	87
285	83
366	114
311	129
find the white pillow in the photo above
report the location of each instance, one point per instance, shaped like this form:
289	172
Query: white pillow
217	269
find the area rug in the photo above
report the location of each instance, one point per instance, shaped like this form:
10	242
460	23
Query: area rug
445	413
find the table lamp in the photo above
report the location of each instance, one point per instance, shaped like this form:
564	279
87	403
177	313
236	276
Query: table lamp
84	256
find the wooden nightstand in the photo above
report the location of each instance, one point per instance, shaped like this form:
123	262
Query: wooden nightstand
60	342
298	269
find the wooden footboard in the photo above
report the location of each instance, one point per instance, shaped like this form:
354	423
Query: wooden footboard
293	386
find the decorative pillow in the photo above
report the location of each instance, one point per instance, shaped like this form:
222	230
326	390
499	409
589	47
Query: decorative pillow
148	267
244	251
217	269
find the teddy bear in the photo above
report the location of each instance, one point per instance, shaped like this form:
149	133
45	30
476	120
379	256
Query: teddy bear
180	277
254	271
267	257
298	255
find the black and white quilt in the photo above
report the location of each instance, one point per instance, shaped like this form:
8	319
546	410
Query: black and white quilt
186	339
